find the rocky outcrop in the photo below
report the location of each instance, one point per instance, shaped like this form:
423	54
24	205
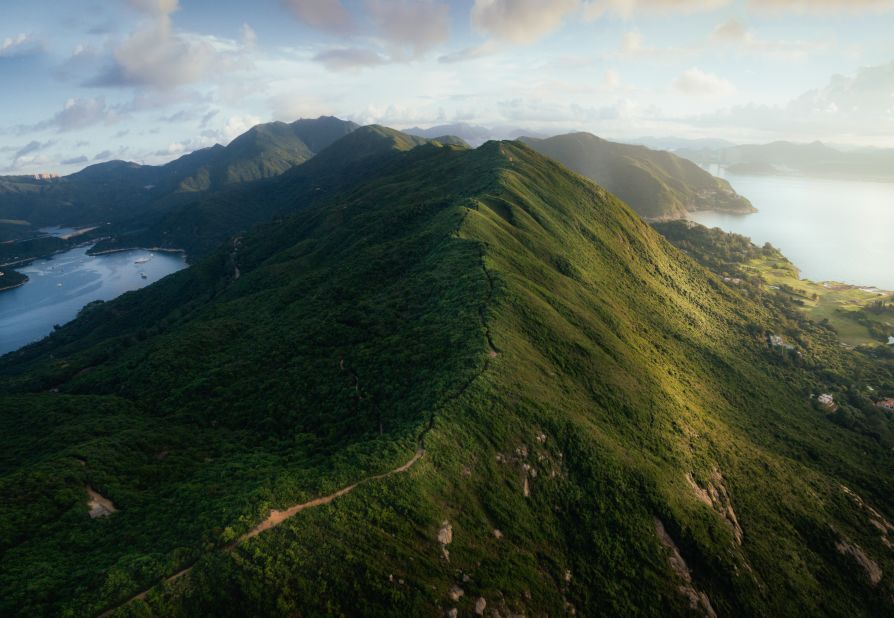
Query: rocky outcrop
698	600
716	496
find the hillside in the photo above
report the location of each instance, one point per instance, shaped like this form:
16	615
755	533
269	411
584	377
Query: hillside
479	381
200	226
117	191
656	184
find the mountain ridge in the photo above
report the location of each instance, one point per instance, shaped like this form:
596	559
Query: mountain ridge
611	430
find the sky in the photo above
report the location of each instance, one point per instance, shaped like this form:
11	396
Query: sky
149	80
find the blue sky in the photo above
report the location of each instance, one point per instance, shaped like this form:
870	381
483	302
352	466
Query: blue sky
148	80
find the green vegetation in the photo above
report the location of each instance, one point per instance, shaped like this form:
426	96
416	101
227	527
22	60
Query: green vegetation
860	316
11	279
658	185
120	191
580	375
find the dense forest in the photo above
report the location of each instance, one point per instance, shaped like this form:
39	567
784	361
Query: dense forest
600	423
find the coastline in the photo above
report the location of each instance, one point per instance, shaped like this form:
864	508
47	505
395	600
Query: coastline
16	285
156	249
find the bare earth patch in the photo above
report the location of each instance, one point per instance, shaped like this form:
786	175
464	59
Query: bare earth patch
99	505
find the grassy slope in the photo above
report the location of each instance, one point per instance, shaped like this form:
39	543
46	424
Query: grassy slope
622	367
844	306
656	184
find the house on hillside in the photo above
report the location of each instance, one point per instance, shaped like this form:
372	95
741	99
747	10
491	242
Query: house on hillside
827	401
886	404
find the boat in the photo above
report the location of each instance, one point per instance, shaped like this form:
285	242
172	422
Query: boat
144	275
141	260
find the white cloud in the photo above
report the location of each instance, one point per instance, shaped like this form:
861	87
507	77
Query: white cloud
21	44
629	8
611	80
349	58
822	6
858	107
326	15
419	24
78	114
695	82
521	21
156	7
735	32
237	125
158	56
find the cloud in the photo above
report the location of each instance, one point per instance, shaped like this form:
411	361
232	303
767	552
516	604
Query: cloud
326	15
732	30
156	55
156	7
78	114
858	105
419	24
735	32
79	160
822	6
19	45
521	21
469	53
349	58
105	155
695	82
33	146
629	8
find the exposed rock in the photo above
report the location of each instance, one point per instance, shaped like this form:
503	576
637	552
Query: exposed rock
526	489
455	593
873	572
480	604
445	537
876	519
567	576
717	497
452	613
497	534
445	534
698	600
99	505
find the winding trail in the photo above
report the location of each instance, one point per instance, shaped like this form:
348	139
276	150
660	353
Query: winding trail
277	517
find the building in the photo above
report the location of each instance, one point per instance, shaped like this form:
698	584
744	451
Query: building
886	404
826	400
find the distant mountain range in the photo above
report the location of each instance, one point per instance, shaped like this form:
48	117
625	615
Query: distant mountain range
474	135
813	159
118	190
169	205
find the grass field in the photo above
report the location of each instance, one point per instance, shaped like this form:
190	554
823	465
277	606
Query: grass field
838	303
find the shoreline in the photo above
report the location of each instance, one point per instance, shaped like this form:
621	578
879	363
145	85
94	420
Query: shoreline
156	249
16	285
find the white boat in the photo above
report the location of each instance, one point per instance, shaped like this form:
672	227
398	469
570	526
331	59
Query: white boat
141	260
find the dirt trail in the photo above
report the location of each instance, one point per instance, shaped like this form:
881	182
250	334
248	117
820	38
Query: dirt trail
277	517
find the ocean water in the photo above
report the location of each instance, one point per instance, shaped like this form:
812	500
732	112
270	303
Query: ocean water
60	286
833	230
